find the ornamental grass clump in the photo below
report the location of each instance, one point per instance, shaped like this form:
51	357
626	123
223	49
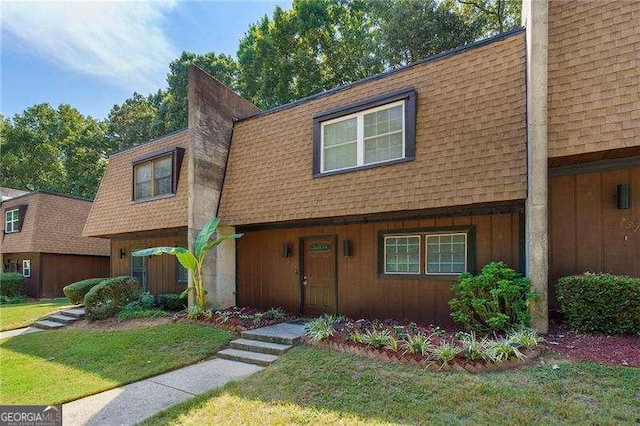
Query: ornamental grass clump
524	337
417	344
474	349
321	328
379	339
446	352
497	299
502	349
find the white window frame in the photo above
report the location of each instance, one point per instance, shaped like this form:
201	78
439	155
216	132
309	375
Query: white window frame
11	226
26	268
360	136
442	234
418	272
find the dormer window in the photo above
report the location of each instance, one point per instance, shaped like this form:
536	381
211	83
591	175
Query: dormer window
12	221
368	134
155	176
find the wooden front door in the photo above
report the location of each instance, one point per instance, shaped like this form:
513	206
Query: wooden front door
318	276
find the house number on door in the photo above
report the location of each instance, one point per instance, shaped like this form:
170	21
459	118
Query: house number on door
320	247
630	224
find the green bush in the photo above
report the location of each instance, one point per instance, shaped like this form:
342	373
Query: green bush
601	303
12	300
172	302
110	296
11	283
497	299
76	291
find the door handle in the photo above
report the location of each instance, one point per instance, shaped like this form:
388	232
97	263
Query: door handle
304	281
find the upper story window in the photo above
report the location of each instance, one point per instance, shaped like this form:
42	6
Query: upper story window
12	220
156	176
374	132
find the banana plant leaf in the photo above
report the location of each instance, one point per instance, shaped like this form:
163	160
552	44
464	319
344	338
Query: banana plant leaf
184	256
204	235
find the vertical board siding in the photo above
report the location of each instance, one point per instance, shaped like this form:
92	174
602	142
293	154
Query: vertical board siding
60	270
266	279
161	270
588	233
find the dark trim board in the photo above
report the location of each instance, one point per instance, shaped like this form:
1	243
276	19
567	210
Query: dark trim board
595	166
496	208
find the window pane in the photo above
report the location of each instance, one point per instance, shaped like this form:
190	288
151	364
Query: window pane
143	190
344	131
446	253
402	254
384	121
341	156
143	173
162	167
163	186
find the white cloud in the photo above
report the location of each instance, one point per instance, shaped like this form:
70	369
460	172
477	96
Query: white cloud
122	42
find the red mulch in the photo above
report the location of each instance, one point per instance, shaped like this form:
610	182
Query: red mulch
603	349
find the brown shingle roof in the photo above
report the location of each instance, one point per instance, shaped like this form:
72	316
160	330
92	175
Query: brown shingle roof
113	211
470	145
53	223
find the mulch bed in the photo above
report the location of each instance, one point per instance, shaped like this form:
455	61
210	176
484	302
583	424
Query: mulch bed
236	320
602	349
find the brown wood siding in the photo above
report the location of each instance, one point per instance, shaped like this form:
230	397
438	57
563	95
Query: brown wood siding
588	233
60	270
31	286
161	270
266	279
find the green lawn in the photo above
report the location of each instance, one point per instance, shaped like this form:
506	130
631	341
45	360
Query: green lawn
52	367
315	386
24	314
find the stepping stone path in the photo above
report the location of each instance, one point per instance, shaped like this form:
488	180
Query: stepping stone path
262	346
60	319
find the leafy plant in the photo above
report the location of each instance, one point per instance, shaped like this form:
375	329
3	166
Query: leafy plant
417	344
172	302
12	300
76	291
524	337
128	313
321	328
194	261
503	349
110	296
276	314
474	349
601	303
10	283
196	312
379	339
446	352
496	299
356	337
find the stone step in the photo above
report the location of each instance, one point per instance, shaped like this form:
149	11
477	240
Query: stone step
47	325
74	313
259	346
62	319
247	357
283	333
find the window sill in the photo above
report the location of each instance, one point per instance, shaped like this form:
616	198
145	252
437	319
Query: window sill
157	197
452	277
365	167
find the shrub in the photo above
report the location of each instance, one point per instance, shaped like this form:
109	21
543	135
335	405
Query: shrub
10	283
172	302
496	299
110	296
12	300
142	307
76	291
601	303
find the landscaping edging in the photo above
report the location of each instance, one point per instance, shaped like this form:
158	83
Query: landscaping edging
473	367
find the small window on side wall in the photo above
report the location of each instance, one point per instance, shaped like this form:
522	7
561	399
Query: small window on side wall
156	175
446	254
182	274
368	134
26	268
11	221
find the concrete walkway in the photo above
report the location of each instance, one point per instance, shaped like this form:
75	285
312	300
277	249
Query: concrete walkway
17	332
132	403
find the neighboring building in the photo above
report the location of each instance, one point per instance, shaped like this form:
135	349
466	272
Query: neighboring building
370	199
9	193
42	239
